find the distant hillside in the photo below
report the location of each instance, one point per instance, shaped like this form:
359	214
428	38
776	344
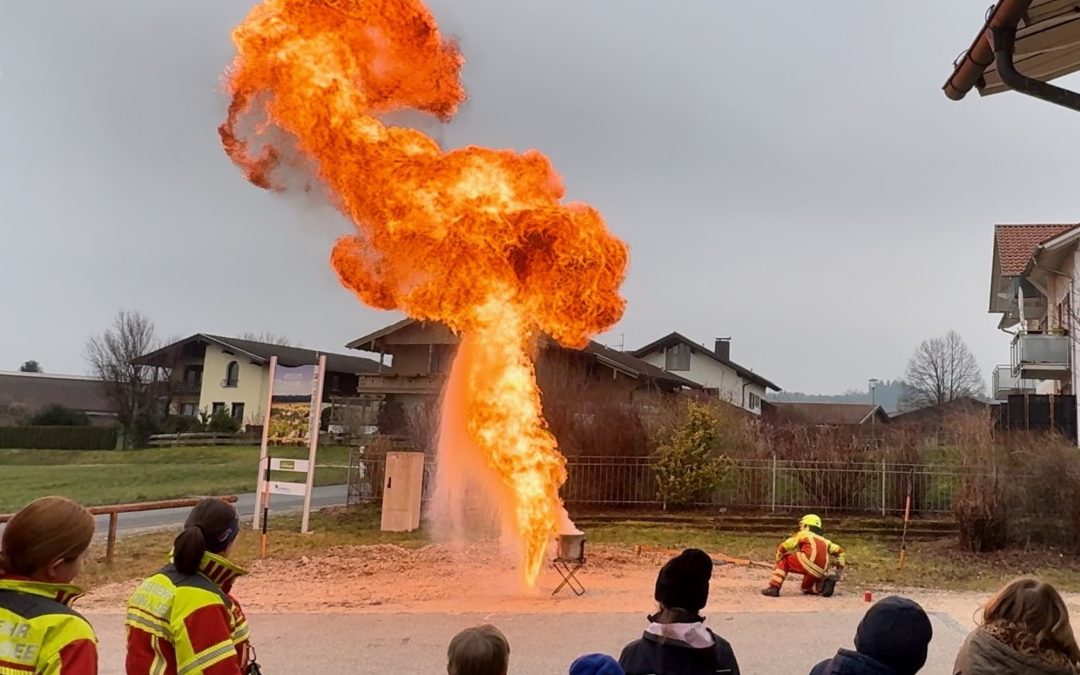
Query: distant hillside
886	394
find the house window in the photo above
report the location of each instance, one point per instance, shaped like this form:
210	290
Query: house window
677	357
189	409
754	401
238	412
193	375
232	374
219	406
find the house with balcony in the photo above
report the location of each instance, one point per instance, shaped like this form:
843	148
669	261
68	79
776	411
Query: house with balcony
713	369
212	373
1033	279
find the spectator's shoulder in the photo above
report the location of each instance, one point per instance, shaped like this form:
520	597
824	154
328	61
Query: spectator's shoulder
632	659
821	668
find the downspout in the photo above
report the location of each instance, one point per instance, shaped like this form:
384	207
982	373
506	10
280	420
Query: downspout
970	66
1003	42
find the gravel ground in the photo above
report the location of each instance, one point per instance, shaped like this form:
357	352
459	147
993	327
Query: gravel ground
386	609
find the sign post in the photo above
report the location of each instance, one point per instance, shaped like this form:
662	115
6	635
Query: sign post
293	411
262	495
313	434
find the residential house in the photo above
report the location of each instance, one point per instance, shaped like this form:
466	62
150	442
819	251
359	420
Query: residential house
713	369
1032	287
23	394
825	414
1020	46
212	373
420	355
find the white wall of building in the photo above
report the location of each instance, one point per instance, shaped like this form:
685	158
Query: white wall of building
250	389
711	374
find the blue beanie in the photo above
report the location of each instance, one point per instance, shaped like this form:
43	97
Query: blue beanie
595	664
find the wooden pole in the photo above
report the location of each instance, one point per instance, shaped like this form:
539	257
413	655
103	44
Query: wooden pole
261	487
266	507
313	447
110	543
907	519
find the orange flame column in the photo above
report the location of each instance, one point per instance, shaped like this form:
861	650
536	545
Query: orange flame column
475	237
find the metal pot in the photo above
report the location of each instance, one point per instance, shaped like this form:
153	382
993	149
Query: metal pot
571	546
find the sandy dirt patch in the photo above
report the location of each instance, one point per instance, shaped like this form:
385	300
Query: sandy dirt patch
442	578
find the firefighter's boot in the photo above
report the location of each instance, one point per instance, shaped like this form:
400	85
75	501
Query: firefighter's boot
771	592
828	586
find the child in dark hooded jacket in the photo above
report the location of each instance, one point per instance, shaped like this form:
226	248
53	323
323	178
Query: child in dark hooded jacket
676	642
891	639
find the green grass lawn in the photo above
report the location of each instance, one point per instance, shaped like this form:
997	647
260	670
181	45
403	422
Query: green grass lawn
112	477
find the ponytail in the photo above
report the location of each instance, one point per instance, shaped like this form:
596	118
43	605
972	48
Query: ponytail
211	527
188	549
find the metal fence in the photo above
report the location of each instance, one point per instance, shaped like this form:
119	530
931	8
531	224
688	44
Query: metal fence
761	484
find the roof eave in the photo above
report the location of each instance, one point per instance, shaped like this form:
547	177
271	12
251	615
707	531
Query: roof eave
969	68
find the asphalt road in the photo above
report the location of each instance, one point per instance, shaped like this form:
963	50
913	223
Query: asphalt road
330	495
781	643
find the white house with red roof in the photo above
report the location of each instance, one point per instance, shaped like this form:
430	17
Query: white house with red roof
1032	285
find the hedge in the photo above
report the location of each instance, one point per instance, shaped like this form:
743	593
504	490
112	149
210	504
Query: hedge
59	438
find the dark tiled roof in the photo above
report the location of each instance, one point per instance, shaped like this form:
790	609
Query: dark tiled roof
676	338
936	413
621	360
1016	243
260	352
38	390
826	413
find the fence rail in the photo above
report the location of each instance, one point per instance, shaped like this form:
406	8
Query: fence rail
200	438
764	484
114	511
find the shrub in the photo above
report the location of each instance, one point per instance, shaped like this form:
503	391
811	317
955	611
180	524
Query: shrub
182	424
689	465
59	416
58	438
222	422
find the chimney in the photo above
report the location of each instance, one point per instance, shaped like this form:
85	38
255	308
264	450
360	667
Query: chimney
723	348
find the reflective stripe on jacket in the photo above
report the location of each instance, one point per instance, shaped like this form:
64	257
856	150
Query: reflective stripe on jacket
813	551
39	632
180	624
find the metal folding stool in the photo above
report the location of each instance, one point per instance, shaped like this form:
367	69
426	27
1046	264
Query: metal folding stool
568	569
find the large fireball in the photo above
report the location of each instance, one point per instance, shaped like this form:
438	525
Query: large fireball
476	238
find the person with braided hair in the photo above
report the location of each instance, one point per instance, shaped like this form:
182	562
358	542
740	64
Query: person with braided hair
183	619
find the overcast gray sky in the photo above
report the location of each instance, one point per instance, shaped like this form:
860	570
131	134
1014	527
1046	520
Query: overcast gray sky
787	174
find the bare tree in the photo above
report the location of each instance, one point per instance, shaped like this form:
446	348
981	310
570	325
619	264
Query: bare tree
267	337
30	366
136	391
941	369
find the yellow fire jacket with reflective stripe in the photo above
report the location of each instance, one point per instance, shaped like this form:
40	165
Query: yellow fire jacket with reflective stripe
812	550
39	632
187	624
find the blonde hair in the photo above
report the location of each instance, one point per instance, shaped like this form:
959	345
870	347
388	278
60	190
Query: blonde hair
44	531
482	650
1035	607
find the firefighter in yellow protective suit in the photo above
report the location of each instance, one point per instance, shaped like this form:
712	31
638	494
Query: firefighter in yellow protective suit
807	552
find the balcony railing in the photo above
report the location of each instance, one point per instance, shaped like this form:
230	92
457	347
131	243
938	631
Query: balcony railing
400	384
187	387
1006	384
1037	356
